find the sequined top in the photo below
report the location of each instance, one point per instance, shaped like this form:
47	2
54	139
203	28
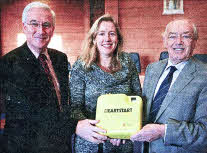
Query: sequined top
87	85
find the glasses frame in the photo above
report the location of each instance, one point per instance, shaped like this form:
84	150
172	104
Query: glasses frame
36	25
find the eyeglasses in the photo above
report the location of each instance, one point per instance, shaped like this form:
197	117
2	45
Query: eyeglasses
185	37
45	25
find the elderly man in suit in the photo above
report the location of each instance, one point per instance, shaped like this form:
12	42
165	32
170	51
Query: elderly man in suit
35	89
175	91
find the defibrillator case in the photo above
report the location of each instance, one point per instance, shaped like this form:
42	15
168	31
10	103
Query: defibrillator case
120	115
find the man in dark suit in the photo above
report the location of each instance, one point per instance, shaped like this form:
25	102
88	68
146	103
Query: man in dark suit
35	89
175	92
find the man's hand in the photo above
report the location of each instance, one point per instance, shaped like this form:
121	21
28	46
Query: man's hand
149	132
87	130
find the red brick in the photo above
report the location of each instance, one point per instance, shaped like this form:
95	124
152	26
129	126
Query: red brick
69	24
141	22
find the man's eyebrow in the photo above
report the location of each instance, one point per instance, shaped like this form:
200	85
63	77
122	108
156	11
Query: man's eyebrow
33	21
106	31
187	32
172	33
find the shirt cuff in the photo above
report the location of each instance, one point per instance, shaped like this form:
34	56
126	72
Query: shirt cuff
165	131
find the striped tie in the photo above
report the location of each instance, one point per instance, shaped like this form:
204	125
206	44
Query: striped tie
43	61
160	96
42	58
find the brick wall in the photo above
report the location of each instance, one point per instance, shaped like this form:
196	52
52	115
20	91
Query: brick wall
70	24
141	23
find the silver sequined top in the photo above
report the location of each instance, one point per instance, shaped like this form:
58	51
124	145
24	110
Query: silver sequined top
87	85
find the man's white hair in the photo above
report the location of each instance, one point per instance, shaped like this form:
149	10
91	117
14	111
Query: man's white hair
36	5
195	31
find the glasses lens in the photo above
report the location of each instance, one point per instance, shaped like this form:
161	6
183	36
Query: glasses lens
45	25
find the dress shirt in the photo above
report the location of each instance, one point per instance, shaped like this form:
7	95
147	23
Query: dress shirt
179	67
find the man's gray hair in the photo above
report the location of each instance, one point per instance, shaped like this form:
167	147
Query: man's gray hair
36	5
195	31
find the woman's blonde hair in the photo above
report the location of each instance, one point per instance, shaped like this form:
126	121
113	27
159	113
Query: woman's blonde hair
89	49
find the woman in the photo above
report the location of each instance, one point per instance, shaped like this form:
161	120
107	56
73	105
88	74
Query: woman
101	69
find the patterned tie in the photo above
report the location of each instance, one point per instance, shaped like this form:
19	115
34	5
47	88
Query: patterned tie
43	61
160	96
42	58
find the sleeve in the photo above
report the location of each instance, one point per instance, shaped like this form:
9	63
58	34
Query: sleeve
2	108
144	93
191	135
77	91
65	81
146	80
135	82
2	105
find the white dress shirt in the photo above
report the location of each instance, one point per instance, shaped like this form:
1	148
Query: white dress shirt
179	68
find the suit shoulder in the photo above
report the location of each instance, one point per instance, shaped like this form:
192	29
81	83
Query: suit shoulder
57	56
13	55
156	64
57	52
201	66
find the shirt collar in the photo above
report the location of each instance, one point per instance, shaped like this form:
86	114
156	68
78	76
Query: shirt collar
179	66
36	54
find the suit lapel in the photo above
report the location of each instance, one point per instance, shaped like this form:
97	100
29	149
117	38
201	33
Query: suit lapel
27	68
54	60
27	56
55	64
27	64
58	68
184	78
157	72
36	75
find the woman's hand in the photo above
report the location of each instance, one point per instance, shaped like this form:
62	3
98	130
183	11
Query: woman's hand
87	130
117	142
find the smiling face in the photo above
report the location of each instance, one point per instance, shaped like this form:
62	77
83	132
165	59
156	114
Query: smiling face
106	39
38	28
179	40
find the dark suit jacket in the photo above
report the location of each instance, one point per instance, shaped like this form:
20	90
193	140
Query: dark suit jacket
33	120
184	109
